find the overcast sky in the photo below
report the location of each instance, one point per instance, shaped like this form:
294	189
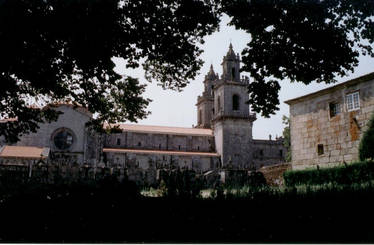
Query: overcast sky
170	108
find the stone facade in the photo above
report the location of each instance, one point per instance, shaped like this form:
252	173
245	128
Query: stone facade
223	107
326	126
266	152
71	125
148	147
222	138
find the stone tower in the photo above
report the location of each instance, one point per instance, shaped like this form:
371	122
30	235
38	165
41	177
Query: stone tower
232	121
205	103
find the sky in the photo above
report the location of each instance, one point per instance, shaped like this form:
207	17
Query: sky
171	108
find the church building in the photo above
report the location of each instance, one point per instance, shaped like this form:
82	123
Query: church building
222	137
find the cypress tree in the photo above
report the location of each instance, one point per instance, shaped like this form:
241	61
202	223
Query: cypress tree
366	148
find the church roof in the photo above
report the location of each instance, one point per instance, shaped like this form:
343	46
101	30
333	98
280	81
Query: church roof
77	107
26	152
179	153
164	129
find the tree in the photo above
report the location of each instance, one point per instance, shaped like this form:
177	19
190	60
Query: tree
300	40
367	142
287	137
59	50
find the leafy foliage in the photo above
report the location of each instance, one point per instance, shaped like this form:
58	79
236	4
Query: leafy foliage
236	179
109	212
349	174
180	184
300	40
366	147
59	50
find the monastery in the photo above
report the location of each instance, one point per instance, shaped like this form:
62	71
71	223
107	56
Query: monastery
222	137
327	126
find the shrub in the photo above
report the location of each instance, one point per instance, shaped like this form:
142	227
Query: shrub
180	184
353	173
366	148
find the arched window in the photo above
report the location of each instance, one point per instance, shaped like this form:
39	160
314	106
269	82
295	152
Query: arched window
235	102
233	73
200	117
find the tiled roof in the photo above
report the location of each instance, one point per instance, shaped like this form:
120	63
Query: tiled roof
180	153
164	129
26	152
8	120
75	106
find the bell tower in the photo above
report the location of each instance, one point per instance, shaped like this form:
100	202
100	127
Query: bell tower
231	66
232	120
205	109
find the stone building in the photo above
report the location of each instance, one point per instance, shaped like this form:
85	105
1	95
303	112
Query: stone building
326	126
161	147
222	137
223	108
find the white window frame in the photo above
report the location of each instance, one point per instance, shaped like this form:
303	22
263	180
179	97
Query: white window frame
352	101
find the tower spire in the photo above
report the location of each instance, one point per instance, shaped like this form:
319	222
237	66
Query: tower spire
231	65
211	74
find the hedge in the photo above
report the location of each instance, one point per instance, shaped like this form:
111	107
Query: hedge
366	147
345	174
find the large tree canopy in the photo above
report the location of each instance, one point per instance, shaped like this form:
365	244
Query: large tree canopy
300	40
58	50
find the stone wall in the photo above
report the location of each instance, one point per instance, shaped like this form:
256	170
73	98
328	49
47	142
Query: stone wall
74	121
132	140
268	152
318	137
233	141
274	174
144	161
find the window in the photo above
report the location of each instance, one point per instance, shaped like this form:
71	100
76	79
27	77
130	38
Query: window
320	149
352	101
139	143
235	102
63	139
261	152
232	73
159	146
179	147
335	109
118	141
281	153
200	116
219	104
198	148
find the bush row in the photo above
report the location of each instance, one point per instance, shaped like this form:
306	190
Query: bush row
345	174
104	213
